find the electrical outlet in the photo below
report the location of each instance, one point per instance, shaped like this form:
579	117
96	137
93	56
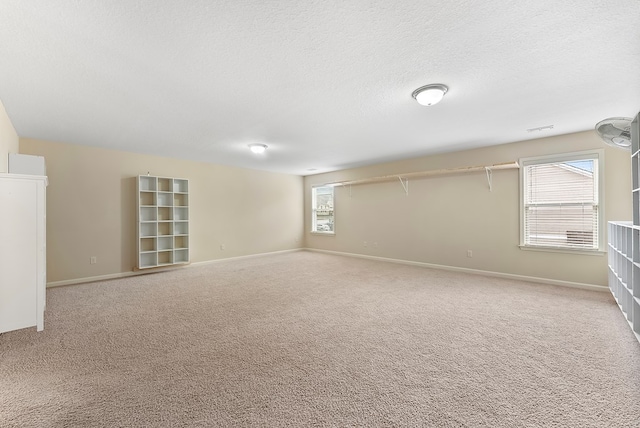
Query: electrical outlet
93	260
364	243
223	247
469	253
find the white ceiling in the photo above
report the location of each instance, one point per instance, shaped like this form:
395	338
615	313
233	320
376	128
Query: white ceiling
325	84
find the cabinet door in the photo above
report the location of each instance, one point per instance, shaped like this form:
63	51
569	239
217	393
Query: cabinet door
18	254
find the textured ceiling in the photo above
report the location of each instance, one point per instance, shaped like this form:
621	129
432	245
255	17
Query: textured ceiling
325	84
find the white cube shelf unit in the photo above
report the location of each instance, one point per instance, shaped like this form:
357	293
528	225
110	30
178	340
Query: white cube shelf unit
624	246
163	221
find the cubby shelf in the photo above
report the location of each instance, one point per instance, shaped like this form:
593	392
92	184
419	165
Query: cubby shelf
163	221
624	246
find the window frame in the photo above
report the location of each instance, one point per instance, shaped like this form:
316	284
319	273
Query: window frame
597	155
314	209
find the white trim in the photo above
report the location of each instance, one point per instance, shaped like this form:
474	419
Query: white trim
100	278
248	256
314	209
560	157
160	269
360	256
575	251
535	279
567	157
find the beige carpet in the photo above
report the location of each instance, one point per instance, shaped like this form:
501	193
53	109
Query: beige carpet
306	339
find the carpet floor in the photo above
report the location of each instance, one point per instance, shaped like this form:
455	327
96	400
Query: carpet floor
306	339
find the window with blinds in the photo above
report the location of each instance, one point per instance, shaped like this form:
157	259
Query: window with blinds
322	209
560	201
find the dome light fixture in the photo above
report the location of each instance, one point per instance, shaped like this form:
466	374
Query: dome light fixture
258	148
430	94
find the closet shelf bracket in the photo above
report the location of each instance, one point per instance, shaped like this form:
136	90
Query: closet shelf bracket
489	177
405	185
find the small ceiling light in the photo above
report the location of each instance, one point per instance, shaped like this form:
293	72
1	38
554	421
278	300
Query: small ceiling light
430	94
258	148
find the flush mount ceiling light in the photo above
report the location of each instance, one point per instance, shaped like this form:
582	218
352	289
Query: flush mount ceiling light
258	148
430	94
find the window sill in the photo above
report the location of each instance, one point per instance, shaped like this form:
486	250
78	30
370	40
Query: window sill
323	233
576	251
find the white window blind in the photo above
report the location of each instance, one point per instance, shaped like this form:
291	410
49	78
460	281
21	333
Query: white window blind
561	203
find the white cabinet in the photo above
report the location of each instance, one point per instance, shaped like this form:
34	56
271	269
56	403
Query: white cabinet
22	251
624	246
163	221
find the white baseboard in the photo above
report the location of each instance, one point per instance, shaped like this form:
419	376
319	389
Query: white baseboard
250	256
161	269
97	278
471	271
361	256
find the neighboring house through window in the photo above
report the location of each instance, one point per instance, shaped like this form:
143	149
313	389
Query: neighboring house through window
322	208
560	201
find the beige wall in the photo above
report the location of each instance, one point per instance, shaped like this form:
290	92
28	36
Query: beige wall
9	140
444	216
91	208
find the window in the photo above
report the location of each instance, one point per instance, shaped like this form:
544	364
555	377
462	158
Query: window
322	207
560	201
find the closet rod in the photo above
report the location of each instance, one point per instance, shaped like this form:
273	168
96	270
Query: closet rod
466	169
